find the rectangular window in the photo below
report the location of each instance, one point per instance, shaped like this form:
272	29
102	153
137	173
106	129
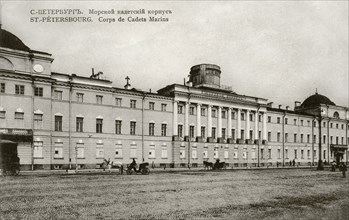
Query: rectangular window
163	107
308	154
336	140
324	139
308	122
315	155
2	114
302	154
19	115
118	102
302	122
205	154
58	150
286	153
191	110
294	138
133	103
314	138
224	114
151	129
286	121
191	131
262	154
235	155
19	89
180	130
295	154
213	112
244	155
2	87
331	139
58	123
79	124
38	147
38	91
133	151
295	121
286	137
337	126
223	133
80	151
99	150
57	95
324	124
331	125
324	154
80	97
226	154
242	116
269	136
151	105
203	112
253	154
214	133
182	153
232	115
233	134
132	128
251	134
278	120
302	138
38	121
151	154
251	117
180	109
279	154
269	119
342	126
99	99
259	118
242	134
269	153
203	132
118	150
164	151
342	140
118	126
278	137
163	129
194	153
308	138
99	125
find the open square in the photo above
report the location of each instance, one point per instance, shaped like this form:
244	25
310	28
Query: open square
229	194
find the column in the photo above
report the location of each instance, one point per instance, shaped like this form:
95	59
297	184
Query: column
238	132
175	117
198	120
229	123
264	126
209	121
248	124
256	121
186	120
219	133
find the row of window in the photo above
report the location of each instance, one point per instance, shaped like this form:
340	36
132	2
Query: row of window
19	89
245	154
80	151
278	121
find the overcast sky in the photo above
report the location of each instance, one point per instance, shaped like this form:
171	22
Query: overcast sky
277	50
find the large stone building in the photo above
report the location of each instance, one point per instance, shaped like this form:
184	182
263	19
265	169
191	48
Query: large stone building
61	120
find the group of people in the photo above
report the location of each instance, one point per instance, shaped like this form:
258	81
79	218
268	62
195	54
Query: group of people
342	167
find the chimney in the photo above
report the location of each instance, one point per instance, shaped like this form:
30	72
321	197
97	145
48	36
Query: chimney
280	106
297	103
287	107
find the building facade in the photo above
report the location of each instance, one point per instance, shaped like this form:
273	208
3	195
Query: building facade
62	121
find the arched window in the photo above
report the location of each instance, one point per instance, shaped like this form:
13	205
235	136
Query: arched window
336	115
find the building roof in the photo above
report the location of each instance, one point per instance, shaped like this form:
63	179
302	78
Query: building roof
316	100
9	40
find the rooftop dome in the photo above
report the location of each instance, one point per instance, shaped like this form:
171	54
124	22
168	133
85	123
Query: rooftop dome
316	100
8	40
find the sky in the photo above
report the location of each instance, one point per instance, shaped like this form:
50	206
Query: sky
279	50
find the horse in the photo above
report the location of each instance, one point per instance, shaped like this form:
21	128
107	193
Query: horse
107	164
208	165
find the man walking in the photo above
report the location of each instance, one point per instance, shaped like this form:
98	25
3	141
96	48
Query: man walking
343	168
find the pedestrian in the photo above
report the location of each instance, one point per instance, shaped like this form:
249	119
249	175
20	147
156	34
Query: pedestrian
343	168
333	166
294	162
290	162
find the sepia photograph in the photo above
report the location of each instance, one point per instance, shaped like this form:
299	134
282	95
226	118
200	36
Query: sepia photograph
174	109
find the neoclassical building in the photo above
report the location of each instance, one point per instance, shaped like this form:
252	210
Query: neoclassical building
62	121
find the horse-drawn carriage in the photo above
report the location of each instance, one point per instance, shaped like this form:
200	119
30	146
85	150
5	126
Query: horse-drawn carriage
214	166
131	169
